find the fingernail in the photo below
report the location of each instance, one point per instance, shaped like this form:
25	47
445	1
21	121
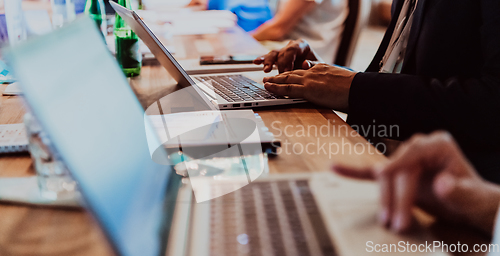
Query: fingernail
398	223
384	217
266	66
308	64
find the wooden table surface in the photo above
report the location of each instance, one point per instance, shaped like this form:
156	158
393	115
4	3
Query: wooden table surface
26	230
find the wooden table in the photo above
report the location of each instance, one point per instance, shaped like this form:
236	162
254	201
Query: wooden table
42	231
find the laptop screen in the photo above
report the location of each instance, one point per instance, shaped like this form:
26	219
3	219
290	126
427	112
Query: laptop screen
81	98
190	88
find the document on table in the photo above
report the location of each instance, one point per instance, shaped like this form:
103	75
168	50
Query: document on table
210	128
13	138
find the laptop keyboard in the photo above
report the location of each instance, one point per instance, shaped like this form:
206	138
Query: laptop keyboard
269	218
236	88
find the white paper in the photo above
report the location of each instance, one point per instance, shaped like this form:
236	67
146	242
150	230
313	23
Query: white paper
12	90
13	138
179	123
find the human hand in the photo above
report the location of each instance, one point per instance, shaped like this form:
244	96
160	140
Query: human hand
291	57
431	172
322	84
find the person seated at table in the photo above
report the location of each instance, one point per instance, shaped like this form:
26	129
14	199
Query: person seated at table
438	67
251	14
320	22
432	173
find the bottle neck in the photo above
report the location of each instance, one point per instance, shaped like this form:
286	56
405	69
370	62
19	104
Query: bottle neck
95	7
124	3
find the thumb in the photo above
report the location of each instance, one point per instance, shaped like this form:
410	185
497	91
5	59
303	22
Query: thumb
307	64
467	200
445	186
454	191
356	173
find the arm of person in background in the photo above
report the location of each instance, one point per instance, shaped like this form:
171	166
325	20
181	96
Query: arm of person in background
284	21
432	173
198	4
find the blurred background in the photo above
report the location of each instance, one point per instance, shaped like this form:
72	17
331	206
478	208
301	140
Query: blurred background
375	19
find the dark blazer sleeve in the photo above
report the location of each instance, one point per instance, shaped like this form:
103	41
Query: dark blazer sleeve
468	107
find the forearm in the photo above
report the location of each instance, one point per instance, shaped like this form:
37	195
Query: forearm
284	21
201	4
269	31
417	104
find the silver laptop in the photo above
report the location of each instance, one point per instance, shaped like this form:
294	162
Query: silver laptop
145	208
225	91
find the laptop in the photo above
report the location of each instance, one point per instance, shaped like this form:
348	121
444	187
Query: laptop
229	91
145	208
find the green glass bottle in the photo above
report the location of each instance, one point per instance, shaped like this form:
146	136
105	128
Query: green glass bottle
127	45
95	10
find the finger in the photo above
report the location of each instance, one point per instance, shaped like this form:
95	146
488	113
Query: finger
269	60
446	188
290	90
405	193
429	151
285	78
471	199
386	183
307	64
458	193
298	72
364	174
259	60
286	58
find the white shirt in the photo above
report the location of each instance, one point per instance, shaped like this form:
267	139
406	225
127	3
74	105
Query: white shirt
322	27
392	62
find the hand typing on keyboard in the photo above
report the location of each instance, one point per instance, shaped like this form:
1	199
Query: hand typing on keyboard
322	84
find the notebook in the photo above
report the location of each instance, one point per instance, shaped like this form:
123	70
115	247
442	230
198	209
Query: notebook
13	138
12	90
